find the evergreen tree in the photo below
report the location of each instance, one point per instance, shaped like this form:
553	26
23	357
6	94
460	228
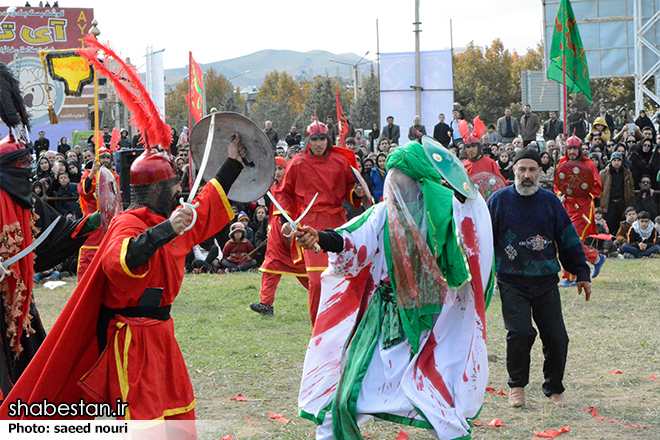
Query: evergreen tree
364	112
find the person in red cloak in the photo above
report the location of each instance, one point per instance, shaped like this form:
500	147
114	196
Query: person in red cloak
278	260
114	341
476	161
90	204
324	169
581	210
24	216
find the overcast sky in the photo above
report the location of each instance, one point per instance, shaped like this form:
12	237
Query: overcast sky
220	30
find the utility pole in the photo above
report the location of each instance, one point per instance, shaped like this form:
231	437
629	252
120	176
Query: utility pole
418	85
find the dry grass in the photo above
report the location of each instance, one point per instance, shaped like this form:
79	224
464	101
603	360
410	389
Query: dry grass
231	350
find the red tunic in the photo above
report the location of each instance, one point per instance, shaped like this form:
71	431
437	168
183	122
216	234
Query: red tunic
332	178
278	258
89	204
482	164
583	212
142	363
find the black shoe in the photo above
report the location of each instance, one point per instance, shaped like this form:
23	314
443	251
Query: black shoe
262	308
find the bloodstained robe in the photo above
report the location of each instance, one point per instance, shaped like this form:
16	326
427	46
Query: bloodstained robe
88	205
440	386
142	363
331	177
582	212
482	164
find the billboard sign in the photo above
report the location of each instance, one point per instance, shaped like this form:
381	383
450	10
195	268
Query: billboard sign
26	31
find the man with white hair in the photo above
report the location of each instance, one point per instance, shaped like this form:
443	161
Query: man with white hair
270	132
530	228
417	130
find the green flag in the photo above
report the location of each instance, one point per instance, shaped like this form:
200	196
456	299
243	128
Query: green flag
566	42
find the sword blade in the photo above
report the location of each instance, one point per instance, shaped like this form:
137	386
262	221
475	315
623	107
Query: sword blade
286	216
32	246
205	159
307	210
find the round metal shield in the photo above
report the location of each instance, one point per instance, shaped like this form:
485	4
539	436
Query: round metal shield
108	196
487	183
574	179
259	165
450	168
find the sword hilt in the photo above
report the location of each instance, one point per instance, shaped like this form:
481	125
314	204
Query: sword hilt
194	211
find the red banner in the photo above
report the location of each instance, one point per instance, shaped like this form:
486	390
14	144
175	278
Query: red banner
194	98
343	123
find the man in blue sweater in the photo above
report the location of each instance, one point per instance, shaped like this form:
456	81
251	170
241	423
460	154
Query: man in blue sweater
530	227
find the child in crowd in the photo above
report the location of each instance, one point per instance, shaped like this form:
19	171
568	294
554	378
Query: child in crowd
605	247
624	227
67	190
236	250
378	177
249	233
642	238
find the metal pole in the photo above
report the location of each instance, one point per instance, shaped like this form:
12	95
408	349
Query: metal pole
637	24
378	61
355	83
418	89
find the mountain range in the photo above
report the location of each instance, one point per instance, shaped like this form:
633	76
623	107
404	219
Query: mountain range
300	65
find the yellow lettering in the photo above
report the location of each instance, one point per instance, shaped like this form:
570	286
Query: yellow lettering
36	36
59	26
7	32
82	28
82	17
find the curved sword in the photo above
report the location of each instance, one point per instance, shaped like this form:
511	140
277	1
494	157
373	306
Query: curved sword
289	220
27	250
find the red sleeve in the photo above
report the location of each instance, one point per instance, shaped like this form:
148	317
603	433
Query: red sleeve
213	214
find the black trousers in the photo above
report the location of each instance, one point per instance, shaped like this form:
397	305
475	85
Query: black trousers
523	299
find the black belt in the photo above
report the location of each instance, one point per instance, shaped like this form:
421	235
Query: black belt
106	314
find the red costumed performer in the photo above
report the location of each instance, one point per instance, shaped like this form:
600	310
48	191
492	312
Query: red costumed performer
324	169
581	210
114	341
24	216
90	204
476	161
278	260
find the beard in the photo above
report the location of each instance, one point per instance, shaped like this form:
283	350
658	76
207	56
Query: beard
526	191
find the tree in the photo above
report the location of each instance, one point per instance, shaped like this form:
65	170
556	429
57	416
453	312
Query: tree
280	100
176	108
364	112
322	100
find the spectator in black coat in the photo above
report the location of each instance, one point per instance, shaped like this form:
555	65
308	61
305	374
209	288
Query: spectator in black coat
442	132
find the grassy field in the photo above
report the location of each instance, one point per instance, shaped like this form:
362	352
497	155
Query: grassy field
230	350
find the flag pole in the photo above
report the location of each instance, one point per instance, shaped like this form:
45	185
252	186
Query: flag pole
189	91
565	98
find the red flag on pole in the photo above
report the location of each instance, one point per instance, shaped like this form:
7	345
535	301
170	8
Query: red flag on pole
343	123
194	96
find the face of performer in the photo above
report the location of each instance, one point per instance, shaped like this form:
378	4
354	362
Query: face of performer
527	176
279	172
319	143
472	151
105	160
572	153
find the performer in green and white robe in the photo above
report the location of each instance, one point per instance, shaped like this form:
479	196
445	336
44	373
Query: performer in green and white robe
401	333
